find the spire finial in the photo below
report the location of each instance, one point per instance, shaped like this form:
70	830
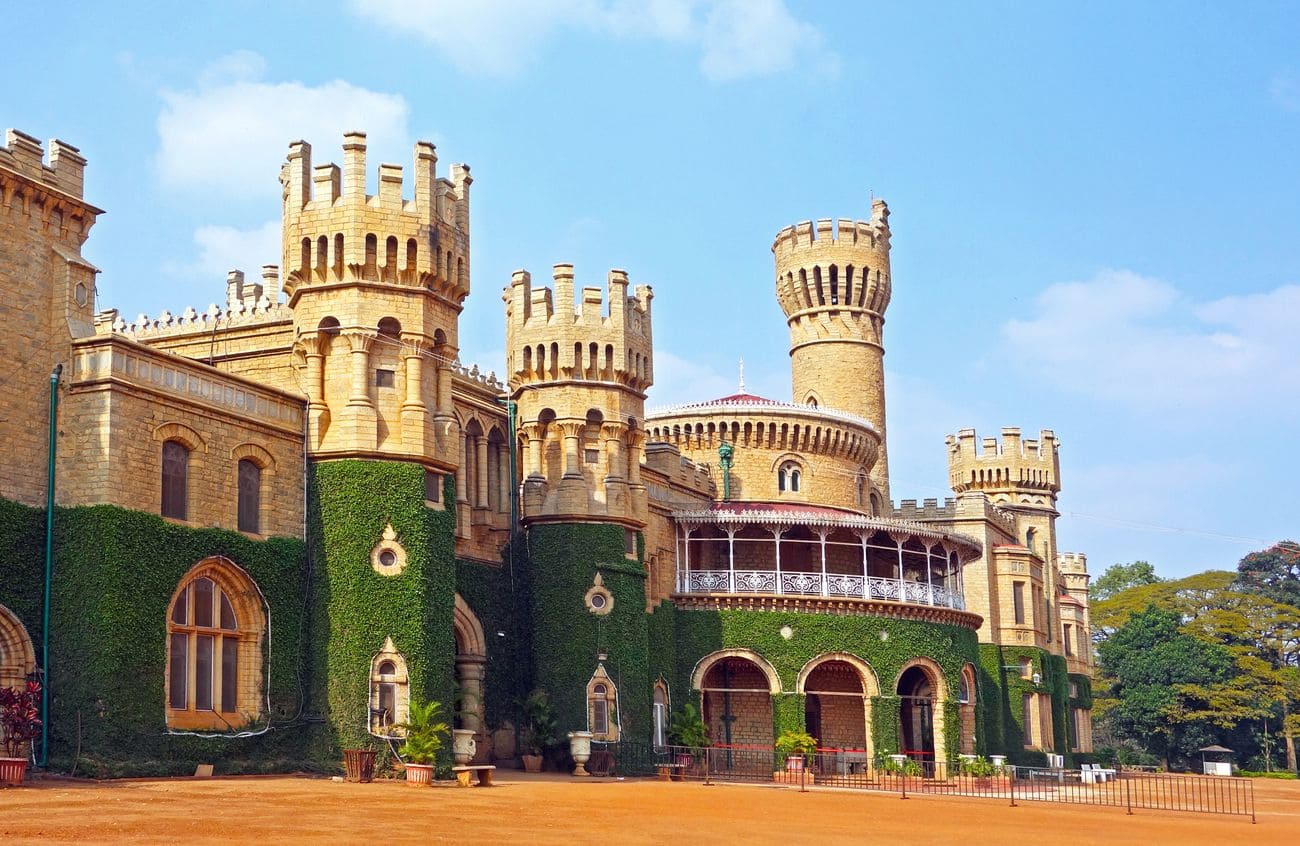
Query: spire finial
742	374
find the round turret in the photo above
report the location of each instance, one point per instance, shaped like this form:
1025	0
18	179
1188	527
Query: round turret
833	283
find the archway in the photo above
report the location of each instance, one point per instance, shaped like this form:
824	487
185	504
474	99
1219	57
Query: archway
17	656
837	706
920	718
471	669
737	693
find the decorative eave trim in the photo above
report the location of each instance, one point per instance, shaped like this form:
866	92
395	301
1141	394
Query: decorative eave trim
844	607
848	521
713	409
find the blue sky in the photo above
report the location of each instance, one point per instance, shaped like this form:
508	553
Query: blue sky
1095	210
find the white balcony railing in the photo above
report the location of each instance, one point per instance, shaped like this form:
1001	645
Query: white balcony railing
827	585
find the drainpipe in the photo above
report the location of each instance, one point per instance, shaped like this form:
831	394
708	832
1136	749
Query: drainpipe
49	567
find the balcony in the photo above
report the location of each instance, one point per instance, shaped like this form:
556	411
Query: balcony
827	585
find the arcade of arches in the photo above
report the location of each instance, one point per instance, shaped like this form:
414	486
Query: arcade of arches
738	689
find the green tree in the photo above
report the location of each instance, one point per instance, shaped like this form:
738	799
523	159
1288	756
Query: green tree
1273	572
1120	577
1152	662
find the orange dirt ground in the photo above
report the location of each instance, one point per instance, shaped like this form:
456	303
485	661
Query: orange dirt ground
550	809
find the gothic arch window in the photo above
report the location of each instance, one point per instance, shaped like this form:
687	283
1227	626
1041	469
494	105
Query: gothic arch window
659	714
602	706
390	691
175	479
250	496
215	628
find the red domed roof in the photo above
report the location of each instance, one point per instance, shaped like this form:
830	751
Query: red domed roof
739	399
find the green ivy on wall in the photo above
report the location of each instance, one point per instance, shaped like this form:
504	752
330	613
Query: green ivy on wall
562	560
1004	719
350	502
114	574
887	644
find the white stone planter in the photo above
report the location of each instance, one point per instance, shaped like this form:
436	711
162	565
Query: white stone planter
998	761
463	746
580	749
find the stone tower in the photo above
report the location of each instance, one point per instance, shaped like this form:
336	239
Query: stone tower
833	284
47	297
376	284
1022	477
579	376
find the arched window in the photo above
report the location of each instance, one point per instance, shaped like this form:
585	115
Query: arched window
600	709
175	479
250	496
788	478
214	651
390	691
660	714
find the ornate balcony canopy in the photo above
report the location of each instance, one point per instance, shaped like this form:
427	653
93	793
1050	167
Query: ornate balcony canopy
801	551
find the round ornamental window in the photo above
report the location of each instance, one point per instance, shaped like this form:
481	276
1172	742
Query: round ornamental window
388	557
598	599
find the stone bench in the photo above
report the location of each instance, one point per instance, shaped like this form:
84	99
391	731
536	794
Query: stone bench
483	771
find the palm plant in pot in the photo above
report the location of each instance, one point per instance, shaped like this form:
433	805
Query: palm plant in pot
20	723
793	748
424	735
536	729
686	728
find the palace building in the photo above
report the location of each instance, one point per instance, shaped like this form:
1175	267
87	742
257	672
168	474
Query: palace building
277	522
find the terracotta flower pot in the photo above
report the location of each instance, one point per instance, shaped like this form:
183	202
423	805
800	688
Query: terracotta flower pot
419	775
13	770
532	763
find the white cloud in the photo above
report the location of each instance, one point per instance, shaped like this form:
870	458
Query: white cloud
225	248
737	38
229	134
1140	342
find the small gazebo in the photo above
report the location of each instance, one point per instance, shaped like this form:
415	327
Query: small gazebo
1216	760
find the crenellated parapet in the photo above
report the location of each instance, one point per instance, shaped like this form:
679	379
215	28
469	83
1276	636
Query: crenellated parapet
334	232
247	304
553	337
50	195
578	371
1012	470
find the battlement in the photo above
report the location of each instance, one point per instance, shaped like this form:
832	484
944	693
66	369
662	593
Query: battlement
1072	562
552	335
335	232
870	234
1005	465
929	509
24	155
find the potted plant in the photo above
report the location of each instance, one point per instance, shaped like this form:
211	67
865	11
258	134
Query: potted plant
424	733
792	749
536	730
20	723
686	728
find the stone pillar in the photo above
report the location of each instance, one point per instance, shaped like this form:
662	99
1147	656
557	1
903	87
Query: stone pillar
361	418
470	671
414	413
573	431
481	471
535	431
616	493
446	429
316	344
503	474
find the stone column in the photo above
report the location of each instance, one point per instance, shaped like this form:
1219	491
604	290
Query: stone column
616	495
361	429
481	471
534	432
573	431
359	346
503	474
414	412
461	485
470	672
316	344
